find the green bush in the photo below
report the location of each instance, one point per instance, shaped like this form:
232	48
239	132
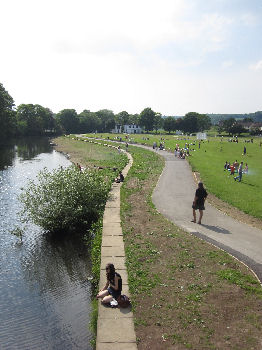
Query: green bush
65	199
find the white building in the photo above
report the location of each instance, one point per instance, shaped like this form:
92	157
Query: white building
128	129
201	136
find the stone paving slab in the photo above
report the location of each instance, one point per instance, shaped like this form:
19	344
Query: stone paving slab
113	230
115	326
117	330
118	261
112	211
112	251
116	346
112	241
111	217
112	204
113	313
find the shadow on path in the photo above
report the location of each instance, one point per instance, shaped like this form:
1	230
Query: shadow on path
216	229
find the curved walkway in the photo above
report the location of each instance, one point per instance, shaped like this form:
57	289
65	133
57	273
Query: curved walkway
115	327
173	197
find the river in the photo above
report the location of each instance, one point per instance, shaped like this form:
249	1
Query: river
45	295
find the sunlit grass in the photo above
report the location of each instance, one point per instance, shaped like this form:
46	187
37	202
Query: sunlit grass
209	160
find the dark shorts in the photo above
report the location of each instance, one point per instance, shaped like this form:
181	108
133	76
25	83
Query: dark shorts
198	206
115	293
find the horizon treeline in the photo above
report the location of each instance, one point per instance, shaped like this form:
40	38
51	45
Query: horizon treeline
36	120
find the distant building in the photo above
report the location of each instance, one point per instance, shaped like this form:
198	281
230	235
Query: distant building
128	129
201	136
251	125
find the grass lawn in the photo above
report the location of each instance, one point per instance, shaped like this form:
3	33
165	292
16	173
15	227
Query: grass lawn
186	294
209	160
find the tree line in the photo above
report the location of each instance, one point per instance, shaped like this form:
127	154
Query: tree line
34	119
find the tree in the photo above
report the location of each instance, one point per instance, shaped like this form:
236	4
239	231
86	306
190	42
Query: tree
190	122
88	122
158	121
65	200
134	119
34	119
122	118
107	119
7	114
227	125
237	128
147	117
169	124
68	120
203	122
179	124
248	120
194	122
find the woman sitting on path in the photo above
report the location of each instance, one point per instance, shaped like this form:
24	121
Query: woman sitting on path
199	201
120	178
113	287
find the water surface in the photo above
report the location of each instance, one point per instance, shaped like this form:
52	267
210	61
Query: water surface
44	291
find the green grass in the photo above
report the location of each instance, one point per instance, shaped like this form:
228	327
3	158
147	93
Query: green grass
179	283
209	161
195	272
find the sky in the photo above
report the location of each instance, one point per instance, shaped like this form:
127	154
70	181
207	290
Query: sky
175	56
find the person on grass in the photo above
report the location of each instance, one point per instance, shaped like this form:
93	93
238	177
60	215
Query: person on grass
199	202
113	287
240	171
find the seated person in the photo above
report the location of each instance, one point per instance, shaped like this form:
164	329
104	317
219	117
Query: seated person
113	286
120	178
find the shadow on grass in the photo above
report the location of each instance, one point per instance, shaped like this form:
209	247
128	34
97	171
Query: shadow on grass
248	184
216	229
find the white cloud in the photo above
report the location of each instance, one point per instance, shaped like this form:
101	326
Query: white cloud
256	66
122	54
227	64
249	19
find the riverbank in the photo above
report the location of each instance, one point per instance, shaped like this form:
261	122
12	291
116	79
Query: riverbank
185	292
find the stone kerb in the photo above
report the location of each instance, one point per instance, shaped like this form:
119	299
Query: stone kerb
115	326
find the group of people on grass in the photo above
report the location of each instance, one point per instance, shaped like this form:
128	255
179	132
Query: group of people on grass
236	168
182	153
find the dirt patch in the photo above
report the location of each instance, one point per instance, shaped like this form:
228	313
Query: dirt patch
179	300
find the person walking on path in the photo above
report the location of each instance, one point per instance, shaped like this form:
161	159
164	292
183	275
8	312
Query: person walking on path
240	170
113	288
199	202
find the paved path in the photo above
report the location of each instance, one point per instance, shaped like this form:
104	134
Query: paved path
115	326
173	197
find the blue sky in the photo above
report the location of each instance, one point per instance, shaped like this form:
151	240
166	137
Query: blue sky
174	56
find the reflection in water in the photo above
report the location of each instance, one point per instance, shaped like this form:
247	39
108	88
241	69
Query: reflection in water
44	292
